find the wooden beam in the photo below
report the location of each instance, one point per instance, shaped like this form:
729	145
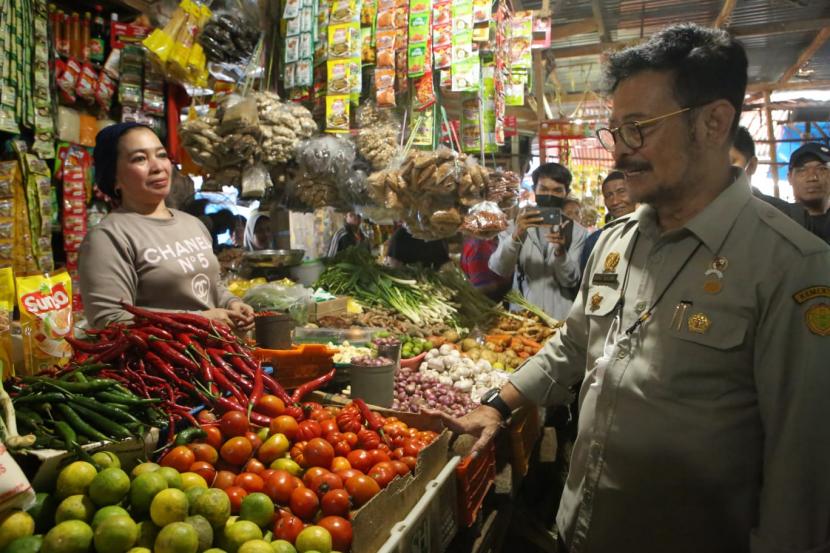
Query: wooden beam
798	85
773	151
578	27
798	26
805	55
725	14
602	30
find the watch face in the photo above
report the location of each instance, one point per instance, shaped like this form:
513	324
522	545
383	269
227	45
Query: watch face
489	395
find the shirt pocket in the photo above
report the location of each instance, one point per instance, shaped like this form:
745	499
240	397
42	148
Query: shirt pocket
601	301
704	356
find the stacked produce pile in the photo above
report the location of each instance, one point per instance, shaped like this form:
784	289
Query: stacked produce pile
449	367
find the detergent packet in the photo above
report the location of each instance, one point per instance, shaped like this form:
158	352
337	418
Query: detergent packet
45	303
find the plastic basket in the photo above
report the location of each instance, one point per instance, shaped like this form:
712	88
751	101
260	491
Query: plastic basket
294	367
524	433
431	524
475	478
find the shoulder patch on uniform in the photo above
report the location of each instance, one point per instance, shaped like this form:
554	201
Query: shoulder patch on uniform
803	240
812	292
817	319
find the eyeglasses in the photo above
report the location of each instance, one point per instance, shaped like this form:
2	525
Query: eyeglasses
631	133
818	170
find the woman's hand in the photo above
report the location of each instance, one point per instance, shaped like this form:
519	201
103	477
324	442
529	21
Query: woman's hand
219	315
242	315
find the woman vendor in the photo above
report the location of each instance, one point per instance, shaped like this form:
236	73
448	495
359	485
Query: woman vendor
144	253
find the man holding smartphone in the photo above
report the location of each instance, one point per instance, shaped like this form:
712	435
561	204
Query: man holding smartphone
542	248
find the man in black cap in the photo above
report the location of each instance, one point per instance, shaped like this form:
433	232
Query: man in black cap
809	175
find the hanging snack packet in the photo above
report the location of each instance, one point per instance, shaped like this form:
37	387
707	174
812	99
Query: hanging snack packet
45	303
6	311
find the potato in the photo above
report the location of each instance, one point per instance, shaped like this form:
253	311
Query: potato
474	354
467	344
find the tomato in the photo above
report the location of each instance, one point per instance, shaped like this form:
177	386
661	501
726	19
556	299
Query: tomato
311	474
269	405
333	409
250	482
205	417
288	528
348	473
266	474
361	489
412	447
409	461
401	468
319	453
351	437
236	495
340	530
325	482
214	436
349	420
383	473
236	450
340	463
304	503
397	453
205	470
379	456
234	423
284	425
254	465
368	439
385	448
224	479
295	412
320	415
254	438
273	448
336	502
179	458
309	406
426	436
360	459
328	426
204	452
308	430
280	485
399	440
298	453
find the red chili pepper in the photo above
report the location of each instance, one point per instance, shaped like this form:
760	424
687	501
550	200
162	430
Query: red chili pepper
120	346
137	339
157	332
207	375
163	319
167	370
374	420
277	388
256	393
88	347
239	364
173	356
220	363
228	404
310	386
220	374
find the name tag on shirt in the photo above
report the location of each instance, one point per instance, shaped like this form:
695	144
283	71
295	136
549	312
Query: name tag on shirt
605	278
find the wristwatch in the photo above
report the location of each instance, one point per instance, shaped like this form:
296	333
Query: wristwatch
491	398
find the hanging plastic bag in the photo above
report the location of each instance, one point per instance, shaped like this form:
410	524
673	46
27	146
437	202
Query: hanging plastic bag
484	220
255	181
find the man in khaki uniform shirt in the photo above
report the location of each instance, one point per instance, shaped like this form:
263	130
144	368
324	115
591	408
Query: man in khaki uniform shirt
702	330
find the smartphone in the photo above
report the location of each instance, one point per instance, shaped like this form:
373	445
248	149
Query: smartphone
551	216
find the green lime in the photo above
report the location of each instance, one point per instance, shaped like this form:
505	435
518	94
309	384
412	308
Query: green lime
283	546
255	546
214	505
144	489
177	537
15	524
169	506
238	533
203	528
26	544
71	536
258	508
313	538
144	467
106	459
116	534
110	486
140	550
75	507
174	479
43	511
214	550
147	533
192	494
105	512
75	479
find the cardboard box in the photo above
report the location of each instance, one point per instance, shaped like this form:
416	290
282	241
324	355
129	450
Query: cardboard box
42	466
372	524
328	308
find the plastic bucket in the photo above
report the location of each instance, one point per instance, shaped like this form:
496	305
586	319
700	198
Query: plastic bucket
375	385
390	352
273	331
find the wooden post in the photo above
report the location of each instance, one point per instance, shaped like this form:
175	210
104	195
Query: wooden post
773	151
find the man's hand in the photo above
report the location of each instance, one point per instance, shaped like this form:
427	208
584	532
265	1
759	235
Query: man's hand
219	315
242	315
527	218
483	423
557	238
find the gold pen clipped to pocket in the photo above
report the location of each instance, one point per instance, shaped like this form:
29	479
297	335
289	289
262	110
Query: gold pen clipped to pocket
679	314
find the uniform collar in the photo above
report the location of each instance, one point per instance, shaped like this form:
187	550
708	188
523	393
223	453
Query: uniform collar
710	225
